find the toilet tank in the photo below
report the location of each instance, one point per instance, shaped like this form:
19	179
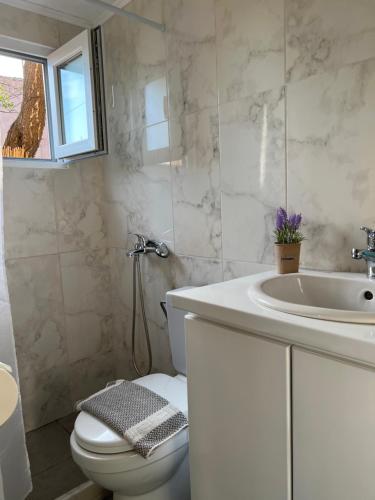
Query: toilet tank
176	330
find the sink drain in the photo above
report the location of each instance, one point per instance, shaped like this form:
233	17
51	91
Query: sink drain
368	295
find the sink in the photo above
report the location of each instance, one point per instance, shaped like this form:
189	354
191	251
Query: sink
318	295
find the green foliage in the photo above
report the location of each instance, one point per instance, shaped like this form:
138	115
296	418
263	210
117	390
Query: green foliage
5	100
288	235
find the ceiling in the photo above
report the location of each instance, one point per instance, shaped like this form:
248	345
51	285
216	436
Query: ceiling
78	12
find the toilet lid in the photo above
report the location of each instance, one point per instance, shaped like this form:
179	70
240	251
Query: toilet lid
94	435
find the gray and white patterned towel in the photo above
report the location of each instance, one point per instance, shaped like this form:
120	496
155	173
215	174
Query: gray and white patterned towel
142	417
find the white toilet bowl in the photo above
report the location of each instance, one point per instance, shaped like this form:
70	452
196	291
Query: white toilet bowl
109	461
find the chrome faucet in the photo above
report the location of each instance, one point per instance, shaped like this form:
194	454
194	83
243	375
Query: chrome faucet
369	254
145	245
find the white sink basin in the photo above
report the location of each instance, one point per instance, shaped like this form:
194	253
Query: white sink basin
318	295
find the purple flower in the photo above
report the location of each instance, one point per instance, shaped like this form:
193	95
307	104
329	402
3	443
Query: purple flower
281	218
295	221
287	228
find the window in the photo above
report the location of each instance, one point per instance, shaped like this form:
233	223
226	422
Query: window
24	127
53	108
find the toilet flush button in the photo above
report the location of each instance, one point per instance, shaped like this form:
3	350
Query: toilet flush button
8	394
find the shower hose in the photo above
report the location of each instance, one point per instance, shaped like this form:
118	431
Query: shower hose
137	278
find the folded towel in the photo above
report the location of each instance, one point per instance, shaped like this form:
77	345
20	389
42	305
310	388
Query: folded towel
142	417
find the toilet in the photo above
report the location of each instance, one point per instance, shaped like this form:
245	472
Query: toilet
109	461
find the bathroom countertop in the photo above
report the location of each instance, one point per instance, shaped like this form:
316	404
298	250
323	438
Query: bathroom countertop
229	303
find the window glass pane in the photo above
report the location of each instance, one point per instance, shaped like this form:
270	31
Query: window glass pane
23	111
73	101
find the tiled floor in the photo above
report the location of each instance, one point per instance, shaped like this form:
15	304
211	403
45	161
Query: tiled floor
52	468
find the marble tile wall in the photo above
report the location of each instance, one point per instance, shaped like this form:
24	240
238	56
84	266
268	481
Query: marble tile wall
15	478
241	106
59	285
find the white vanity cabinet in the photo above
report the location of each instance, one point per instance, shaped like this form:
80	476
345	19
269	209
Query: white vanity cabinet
255	403
239	414
333	428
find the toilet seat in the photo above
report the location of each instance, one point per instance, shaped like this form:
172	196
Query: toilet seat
115	463
95	436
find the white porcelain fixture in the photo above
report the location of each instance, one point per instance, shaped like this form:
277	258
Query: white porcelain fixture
318	295
281	406
108	459
8	393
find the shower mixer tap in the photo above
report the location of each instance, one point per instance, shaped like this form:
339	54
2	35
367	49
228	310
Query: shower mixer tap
145	245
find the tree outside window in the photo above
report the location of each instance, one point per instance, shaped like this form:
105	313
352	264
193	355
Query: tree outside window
23	123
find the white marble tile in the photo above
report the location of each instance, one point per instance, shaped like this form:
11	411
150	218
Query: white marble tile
125	151
237	269
191	55
251	222
87	300
160	344
330	175
79	206
326	34
191	19
88	376
250	47
193	271
142	186
148	201
151	58
38	314
155	145
29	212
121	277
122	317
114	171
252	153
46	396
116	220
122	110
88	333
136	69
196	184
86	281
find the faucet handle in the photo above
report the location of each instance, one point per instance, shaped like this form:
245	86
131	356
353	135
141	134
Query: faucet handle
370	237
141	239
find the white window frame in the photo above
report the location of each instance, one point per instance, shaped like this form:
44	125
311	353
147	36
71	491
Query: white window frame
26	48
79	45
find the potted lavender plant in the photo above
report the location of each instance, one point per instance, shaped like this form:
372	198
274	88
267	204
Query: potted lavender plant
288	241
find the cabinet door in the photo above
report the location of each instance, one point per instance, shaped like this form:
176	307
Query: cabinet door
333	429
238	413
